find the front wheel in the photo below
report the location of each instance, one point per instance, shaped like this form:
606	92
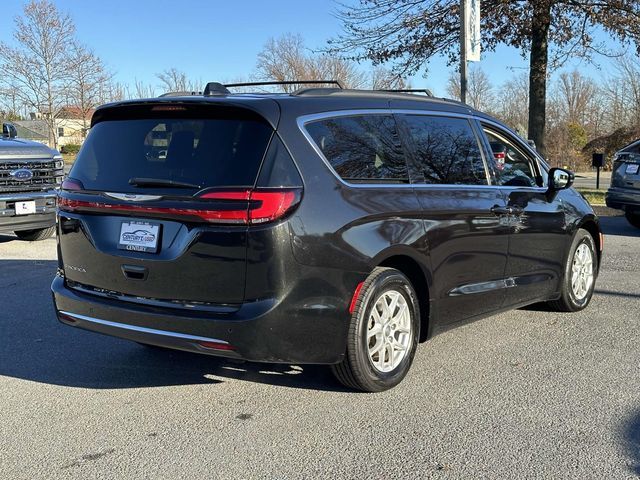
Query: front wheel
580	274
633	217
383	334
36	235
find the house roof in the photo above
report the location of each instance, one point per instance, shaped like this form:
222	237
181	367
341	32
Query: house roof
72	112
32	129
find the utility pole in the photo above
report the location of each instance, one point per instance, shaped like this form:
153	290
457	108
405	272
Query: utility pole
463	51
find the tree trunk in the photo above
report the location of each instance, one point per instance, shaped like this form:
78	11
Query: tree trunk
538	72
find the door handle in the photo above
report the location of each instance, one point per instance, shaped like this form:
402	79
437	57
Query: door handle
510	210
498	210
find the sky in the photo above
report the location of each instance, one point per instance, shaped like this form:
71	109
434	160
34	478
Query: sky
220	40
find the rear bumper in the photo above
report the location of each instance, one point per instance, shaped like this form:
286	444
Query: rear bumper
44	217
621	198
260	331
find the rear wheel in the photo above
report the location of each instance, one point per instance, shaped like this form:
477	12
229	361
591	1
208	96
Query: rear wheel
633	217
35	235
580	274
383	334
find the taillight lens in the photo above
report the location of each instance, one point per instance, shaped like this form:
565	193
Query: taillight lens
247	207
264	205
72	184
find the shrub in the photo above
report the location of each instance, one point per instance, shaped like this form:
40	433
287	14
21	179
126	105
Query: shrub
70	148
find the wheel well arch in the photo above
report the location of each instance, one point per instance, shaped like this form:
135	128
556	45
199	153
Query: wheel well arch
594	230
418	277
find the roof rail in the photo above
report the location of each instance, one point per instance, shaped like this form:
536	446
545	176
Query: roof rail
425	91
287	82
180	94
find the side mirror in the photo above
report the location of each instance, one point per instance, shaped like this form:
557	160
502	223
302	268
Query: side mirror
9	130
560	179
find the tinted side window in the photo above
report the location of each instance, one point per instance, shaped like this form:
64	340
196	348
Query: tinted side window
446	150
512	166
362	148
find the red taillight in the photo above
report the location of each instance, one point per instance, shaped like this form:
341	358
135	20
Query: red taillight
242	206
71	184
263	205
499	156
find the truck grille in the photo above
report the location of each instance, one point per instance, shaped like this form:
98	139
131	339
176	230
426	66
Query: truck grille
47	174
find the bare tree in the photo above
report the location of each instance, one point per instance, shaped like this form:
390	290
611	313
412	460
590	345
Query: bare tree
575	93
139	90
287	59
173	80
512	103
37	65
11	104
87	80
384	79
480	93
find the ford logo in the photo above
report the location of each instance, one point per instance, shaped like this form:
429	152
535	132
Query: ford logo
22	175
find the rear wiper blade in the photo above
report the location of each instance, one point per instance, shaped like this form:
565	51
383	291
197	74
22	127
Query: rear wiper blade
160	182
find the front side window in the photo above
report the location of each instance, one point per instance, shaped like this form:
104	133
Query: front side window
512	166
446	150
361	148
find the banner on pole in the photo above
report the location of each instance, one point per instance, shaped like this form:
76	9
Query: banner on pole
472	34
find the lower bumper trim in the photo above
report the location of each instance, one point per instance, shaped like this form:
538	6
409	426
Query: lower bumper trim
163	338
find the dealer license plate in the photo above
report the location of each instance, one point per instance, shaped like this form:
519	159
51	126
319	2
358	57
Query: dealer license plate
139	236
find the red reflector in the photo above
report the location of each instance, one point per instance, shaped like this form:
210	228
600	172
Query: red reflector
66	318
216	345
499	156
354	299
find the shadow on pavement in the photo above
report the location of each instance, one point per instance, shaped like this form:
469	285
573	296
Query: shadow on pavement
7	238
618	225
35	347
632	443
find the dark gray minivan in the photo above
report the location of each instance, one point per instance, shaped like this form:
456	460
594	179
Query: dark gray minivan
326	226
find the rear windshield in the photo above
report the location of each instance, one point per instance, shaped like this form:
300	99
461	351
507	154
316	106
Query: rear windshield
213	151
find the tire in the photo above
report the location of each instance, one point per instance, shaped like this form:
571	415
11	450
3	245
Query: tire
580	273
374	363
633	217
36	235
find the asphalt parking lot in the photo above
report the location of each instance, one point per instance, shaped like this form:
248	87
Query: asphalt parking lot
525	394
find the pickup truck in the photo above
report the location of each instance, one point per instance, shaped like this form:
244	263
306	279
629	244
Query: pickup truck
30	174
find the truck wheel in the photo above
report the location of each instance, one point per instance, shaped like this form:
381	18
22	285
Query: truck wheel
633	217
383	334
35	235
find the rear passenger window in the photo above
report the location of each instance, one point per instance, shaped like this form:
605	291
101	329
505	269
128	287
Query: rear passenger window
362	148
446	151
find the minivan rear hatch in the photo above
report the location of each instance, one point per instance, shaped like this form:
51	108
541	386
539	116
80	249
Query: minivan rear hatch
157	205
